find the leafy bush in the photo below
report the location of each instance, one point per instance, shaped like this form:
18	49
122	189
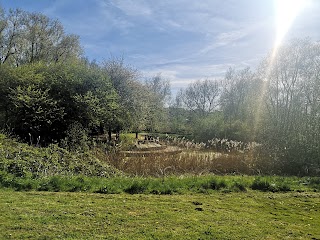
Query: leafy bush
76	138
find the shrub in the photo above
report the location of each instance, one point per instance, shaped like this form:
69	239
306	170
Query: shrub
78	184
315	181
24	184
76	138
53	184
6	179
26	161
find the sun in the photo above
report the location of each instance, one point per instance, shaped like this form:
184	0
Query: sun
286	12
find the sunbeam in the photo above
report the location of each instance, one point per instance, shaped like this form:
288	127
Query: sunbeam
286	12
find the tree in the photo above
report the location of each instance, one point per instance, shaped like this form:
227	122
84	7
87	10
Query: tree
140	108
44	100
98	108
240	103
160	87
34	112
158	94
29	37
236	94
87	93
124	80
200	97
291	126
141	104
195	107
11	31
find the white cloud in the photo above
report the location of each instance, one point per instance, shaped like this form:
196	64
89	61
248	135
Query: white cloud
227	38
185	40
132	8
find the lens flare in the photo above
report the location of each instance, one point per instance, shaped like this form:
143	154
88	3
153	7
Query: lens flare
286	12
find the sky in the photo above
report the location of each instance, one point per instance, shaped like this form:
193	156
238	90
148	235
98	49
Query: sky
184	40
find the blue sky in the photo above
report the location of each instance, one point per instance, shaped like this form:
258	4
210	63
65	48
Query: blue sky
185	40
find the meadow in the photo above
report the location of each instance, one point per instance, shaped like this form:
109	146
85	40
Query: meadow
244	215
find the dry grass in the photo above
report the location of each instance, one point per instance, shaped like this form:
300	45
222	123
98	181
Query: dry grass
174	156
186	162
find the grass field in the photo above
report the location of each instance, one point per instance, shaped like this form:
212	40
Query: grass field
235	215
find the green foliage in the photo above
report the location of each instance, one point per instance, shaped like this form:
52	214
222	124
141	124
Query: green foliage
31	37
25	161
160	186
34	112
76	138
214	184
45	100
239	186
179	120
137	187
208	126
128	141
266	184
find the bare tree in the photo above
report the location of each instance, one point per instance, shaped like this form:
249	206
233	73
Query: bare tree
160	87
11	32
293	104
237	90
201	96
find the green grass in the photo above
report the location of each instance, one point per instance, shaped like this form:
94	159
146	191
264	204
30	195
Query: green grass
242	215
167	185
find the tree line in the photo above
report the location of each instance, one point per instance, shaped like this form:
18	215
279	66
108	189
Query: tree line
278	105
50	92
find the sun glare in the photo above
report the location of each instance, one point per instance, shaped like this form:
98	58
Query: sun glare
286	12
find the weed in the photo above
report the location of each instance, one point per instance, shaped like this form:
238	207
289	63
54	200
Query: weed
262	184
214	184
265	184
137	187
166	185
161	187
237	186
315	183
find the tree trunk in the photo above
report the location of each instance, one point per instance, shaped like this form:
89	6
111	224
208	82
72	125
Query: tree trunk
101	129
109	134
